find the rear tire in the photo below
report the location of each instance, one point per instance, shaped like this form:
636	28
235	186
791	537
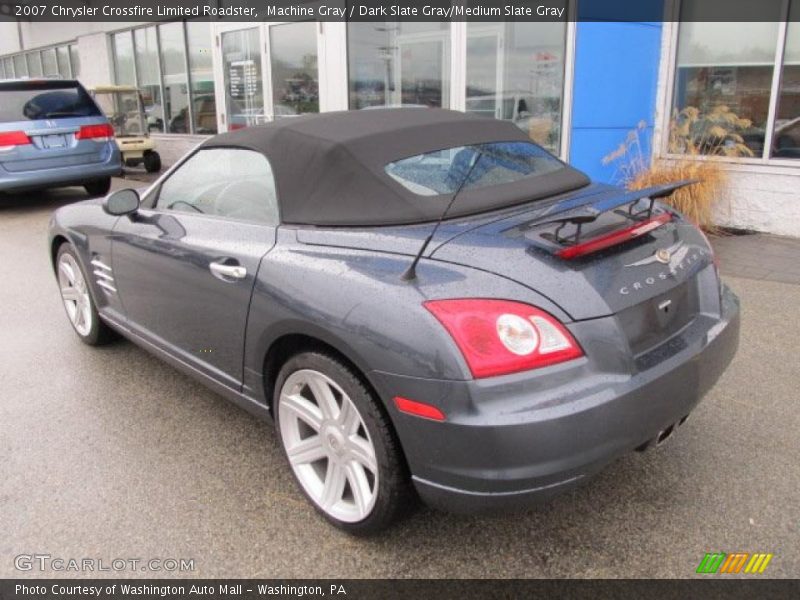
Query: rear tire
152	162
345	438
77	299
99	187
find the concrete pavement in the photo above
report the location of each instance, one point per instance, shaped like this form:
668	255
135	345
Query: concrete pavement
109	453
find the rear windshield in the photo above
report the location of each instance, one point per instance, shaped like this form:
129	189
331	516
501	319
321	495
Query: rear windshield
443	171
31	101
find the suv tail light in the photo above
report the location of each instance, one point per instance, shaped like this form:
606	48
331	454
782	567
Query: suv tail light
498	337
101	133
11	139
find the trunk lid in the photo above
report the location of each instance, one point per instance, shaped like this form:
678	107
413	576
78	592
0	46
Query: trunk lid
648	278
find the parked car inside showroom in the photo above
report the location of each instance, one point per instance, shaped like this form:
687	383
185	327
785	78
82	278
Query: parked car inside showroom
426	303
52	134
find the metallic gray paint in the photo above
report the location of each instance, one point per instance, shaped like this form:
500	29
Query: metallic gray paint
507	439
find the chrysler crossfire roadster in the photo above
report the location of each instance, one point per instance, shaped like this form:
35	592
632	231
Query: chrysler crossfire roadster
426	303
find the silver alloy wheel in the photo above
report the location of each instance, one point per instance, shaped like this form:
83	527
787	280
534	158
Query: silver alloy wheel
75	294
328	445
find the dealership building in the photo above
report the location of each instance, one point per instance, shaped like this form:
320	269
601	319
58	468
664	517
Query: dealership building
582	89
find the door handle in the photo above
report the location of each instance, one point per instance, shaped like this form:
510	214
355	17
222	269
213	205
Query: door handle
225	272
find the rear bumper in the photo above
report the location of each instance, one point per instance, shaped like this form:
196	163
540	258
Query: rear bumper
514	440
61	176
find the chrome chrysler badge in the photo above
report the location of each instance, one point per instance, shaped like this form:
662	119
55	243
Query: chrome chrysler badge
663	255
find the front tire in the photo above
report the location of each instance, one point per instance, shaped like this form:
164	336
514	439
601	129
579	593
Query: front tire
99	187
340	444
77	299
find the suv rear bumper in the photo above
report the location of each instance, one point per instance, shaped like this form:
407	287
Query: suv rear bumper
61	176
524	438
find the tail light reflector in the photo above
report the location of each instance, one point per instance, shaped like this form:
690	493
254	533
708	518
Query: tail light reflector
10	139
497	337
102	132
615	237
418	409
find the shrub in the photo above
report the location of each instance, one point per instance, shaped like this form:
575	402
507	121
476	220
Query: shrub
694	136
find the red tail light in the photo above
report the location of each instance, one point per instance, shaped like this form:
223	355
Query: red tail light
498	337
615	237
93	132
9	139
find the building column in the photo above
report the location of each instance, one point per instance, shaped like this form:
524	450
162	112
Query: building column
615	88
97	67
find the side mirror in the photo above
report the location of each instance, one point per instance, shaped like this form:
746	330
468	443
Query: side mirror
121	202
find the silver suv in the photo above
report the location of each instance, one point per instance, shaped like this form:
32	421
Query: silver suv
52	134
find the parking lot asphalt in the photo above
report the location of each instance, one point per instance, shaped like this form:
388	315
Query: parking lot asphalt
109	453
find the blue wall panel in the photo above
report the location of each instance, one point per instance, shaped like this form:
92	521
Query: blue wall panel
616	75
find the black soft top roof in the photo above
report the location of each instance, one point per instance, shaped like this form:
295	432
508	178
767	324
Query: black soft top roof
329	167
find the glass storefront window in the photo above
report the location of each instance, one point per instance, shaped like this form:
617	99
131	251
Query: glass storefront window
34	64
201	75
173	68
8	63
394	64
124	70
146	53
154	58
20	66
241	67
75	61
722	85
515	72
786	136
49	64
62	61
295	78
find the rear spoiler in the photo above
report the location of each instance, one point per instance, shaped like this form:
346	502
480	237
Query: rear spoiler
586	207
581	210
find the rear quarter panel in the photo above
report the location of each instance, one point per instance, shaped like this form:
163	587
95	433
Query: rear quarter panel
355	301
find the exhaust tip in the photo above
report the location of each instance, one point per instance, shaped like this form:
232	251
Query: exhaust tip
664	435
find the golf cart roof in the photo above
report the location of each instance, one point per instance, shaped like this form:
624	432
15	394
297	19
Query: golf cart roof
110	89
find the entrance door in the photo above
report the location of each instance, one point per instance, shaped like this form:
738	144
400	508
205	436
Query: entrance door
293	68
242	77
484	73
421	77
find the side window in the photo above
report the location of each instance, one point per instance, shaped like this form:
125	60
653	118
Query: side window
224	182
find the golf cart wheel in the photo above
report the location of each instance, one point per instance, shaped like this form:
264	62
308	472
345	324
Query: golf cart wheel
152	162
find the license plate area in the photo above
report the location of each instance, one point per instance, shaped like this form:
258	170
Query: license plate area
654	321
54	141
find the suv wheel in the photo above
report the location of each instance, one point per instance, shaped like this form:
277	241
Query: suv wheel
99	187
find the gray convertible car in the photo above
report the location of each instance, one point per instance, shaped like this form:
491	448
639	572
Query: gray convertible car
425	302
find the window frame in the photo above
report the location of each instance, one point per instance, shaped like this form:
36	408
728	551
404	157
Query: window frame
458	69
661	145
186	66
36	54
150	197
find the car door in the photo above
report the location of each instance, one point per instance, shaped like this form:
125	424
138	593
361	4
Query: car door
186	262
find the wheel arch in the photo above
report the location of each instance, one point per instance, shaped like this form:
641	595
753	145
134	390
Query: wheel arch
56	243
288	345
